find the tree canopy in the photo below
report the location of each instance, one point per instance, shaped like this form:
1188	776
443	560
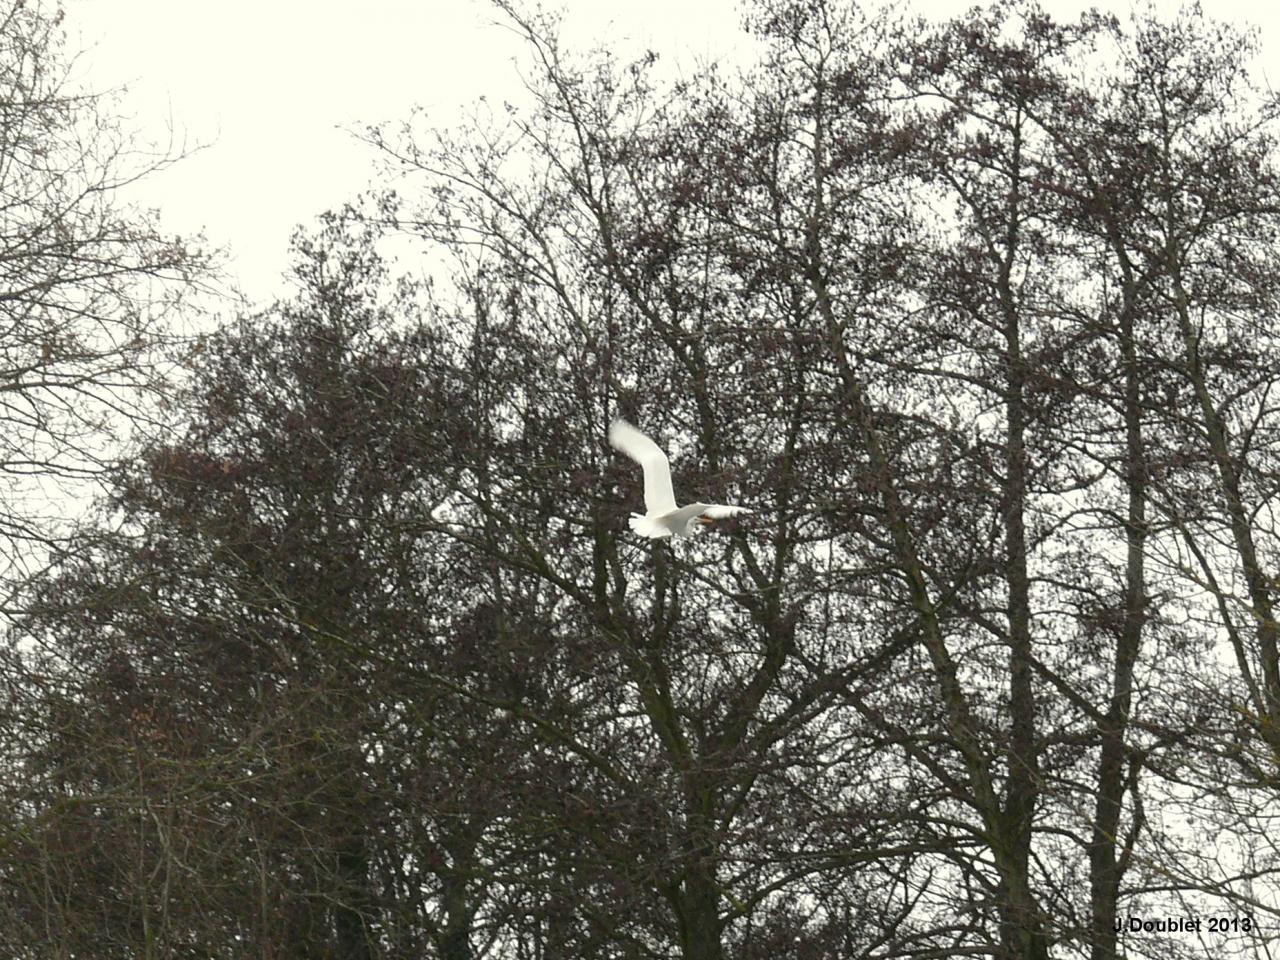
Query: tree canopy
978	316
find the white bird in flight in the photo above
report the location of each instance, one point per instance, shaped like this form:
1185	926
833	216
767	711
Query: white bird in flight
662	518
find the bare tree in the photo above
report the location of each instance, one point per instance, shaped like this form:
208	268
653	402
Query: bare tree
86	284
374	668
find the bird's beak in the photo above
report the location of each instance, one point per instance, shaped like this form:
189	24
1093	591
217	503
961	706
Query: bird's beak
706	521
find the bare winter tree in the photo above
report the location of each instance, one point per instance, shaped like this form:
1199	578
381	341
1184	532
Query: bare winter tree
86	284
275	736
977	316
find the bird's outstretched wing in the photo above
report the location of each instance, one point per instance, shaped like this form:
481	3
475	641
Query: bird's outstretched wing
659	498
718	511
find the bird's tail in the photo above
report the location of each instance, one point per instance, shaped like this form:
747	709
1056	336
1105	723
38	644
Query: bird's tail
648	527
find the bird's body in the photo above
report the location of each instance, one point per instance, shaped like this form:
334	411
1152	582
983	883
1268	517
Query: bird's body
662	517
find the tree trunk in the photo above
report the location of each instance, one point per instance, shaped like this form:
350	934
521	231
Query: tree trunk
1105	868
1022	929
352	933
700	924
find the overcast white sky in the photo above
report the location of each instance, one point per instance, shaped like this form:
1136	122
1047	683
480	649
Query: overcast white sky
269	85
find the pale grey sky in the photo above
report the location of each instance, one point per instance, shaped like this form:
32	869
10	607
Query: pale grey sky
269	85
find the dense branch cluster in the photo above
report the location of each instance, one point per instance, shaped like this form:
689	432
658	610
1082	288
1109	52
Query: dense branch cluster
981	319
